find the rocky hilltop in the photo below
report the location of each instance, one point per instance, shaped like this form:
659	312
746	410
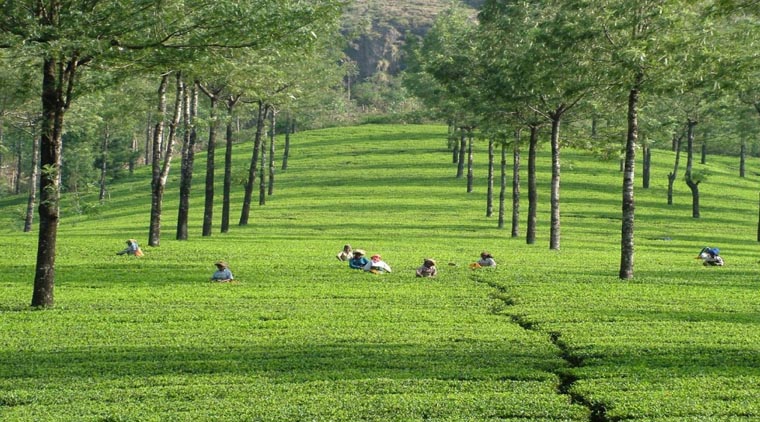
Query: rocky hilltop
377	29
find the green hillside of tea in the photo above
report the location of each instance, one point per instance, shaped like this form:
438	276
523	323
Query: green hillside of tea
546	335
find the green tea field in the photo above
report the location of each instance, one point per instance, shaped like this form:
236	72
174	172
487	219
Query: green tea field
547	335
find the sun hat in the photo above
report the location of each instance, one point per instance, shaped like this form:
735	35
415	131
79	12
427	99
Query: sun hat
359	252
430	260
376	256
222	264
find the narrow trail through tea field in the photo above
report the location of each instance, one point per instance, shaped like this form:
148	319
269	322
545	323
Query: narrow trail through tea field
597	411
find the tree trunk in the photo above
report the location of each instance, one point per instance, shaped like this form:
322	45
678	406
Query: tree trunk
262	169
554	235
502	184
742	158
462	152
693	184
16	179
103	166
469	160
157	190
188	161
453	142
208	207
272	133
758	222
516	185
672	175
226	189
53	108
252	169
647	165
530	234
161	171
2	140
133	149
629	208
286	148
33	183
489	190
703	159
455	150
148	139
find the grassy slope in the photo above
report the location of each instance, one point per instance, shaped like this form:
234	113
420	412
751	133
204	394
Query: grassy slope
302	337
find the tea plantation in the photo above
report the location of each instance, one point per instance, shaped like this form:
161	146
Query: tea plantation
547	335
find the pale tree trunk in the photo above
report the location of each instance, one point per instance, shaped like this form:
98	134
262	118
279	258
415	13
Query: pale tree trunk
530	234
693	184
629	208
554	234
161	171
190	102
502	184
231	102
208	208
489	182
272	133
672	175
516	185
252	169
33	183
104	164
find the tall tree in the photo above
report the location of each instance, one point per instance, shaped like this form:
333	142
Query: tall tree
263	110
272	134
187	157
231	102
163	151
213	93
516	184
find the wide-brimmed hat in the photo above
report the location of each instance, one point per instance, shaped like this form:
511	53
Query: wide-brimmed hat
131	241
430	261
359	252
376	256
222	264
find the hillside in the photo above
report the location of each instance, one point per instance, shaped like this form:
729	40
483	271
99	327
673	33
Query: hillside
546	335
377	29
